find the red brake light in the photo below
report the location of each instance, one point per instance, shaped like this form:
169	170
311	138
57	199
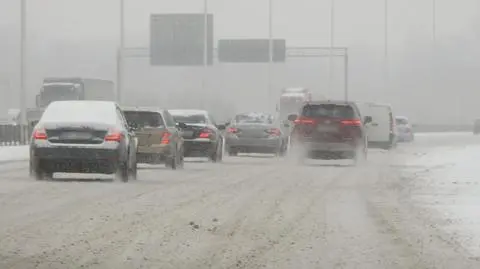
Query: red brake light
166	138
232	130
304	120
354	122
40	134
205	133
274	131
114	136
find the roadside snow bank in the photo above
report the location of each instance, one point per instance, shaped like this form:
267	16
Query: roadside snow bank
13	153
447	180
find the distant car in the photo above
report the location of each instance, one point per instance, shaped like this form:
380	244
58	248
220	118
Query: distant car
202	135
404	129
476	127
330	130
255	133
159	139
83	137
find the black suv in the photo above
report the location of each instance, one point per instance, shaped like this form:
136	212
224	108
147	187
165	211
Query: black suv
330	130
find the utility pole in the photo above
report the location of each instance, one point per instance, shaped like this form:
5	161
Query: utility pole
120	53
23	67
386	75
332	44
270	54
205	51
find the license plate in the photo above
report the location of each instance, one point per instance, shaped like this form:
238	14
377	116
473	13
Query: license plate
187	133
76	135
326	128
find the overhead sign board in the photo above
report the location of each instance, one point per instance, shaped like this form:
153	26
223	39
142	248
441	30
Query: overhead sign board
178	39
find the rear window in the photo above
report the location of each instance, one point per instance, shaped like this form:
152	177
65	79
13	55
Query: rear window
328	111
254	118
401	121
190	118
80	112
144	118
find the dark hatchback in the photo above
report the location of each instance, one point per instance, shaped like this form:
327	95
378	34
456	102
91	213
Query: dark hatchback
330	130
202	136
83	137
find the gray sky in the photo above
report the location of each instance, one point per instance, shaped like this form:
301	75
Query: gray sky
80	36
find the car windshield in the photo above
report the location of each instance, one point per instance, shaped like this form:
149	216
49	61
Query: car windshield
144	118
254	118
190	118
400	121
328	111
82	111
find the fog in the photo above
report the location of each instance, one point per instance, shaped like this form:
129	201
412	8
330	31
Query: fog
80	38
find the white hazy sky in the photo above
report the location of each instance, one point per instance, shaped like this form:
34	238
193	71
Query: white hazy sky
301	22
83	34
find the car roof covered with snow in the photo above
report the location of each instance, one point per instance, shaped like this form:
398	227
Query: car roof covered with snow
142	109
81	111
187	112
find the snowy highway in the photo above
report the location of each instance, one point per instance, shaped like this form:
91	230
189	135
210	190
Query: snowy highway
414	207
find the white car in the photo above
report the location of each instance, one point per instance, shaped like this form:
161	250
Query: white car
404	129
381	131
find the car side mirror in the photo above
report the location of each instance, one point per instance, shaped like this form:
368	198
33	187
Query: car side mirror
367	119
181	125
132	126
292	117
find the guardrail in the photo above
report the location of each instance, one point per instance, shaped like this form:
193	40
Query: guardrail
10	134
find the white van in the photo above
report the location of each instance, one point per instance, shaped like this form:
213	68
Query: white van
381	130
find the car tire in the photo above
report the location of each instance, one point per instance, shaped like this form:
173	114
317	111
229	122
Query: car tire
36	171
134	170
217	155
122	172
360	155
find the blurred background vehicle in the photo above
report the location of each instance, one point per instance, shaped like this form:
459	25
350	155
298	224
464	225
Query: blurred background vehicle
330	130
404	129
83	137
476	127
159	139
202	135
256	133
381	131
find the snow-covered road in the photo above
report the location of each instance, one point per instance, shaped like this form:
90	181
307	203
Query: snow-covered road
400	210
445	180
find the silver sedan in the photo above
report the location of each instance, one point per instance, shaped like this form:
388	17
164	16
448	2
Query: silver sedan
255	133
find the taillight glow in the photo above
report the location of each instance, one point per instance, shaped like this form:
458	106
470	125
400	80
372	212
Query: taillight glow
354	122
114	136
304	120
166	138
274	131
206	133
232	130
40	134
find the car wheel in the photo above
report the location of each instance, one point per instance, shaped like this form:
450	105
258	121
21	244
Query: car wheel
232	151
216	156
360	155
36	171
181	158
122	172
134	170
